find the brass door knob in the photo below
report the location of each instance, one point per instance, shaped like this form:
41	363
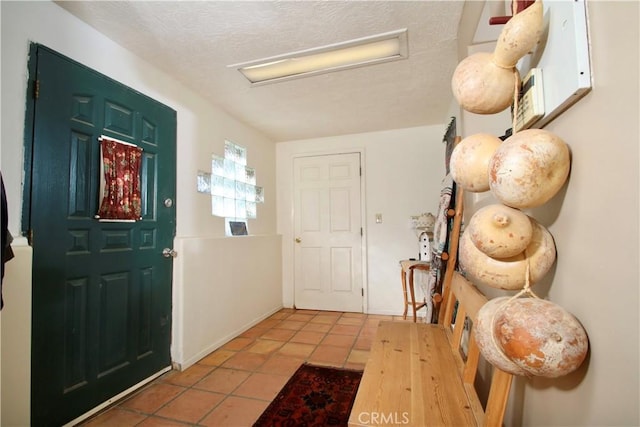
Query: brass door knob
298	240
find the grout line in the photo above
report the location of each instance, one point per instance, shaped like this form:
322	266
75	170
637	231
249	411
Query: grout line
282	315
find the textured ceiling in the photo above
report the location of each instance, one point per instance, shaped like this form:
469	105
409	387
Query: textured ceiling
196	41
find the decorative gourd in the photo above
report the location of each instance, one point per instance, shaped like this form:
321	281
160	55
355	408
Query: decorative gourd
519	36
529	168
483	333
540	337
484	83
509	273
482	87
469	162
500	231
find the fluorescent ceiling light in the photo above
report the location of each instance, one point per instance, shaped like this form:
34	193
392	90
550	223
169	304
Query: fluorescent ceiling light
340	56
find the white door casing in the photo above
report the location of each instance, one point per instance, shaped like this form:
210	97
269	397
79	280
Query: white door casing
328	267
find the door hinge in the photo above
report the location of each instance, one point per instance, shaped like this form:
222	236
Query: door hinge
30	236
360	170
36	89
361	232
362	291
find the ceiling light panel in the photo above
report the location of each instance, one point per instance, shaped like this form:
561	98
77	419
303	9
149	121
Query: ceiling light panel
355	53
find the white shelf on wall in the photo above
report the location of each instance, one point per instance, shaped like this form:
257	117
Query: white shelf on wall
563	57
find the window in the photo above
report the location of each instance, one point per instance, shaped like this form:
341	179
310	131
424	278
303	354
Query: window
232	185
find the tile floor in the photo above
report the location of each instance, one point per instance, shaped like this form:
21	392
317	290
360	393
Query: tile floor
233	385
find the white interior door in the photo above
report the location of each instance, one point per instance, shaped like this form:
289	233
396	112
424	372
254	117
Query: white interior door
328	233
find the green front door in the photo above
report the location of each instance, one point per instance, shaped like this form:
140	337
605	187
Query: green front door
101	290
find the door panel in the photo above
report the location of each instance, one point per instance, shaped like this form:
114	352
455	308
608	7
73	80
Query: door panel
101	290
341	270
327	225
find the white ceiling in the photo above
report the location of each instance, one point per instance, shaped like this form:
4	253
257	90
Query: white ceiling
195	41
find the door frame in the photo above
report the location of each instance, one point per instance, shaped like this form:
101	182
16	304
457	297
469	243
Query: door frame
29	125
288	235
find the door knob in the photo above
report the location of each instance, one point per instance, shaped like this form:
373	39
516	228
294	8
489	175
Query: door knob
298	240
169	253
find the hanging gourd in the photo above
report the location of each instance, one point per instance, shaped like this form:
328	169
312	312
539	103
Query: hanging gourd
509	273
484	83
483	333
469	164
500	231
540	337
529	168
482	87
519	36
503	247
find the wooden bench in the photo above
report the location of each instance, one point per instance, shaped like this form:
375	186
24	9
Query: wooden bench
418	374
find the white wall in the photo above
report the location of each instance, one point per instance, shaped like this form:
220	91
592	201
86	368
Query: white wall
240	278
402	170
15	368
201	131
594	220
595	225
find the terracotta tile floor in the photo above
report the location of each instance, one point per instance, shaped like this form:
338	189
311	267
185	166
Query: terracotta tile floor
233	385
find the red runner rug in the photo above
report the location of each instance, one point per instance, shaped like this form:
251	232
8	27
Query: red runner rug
313	396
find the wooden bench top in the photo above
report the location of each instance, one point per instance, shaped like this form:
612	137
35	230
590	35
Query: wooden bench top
411	380
425	374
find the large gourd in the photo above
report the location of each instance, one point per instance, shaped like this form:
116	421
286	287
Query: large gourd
509	273
500	231
482	87
469	163
483	333
529	168
484	83
540	337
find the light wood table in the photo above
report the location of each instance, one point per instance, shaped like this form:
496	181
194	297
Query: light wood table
407	267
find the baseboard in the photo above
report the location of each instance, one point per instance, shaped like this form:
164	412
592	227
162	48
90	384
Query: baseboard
222	341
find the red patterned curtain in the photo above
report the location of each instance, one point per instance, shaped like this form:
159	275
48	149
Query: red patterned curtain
121	195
